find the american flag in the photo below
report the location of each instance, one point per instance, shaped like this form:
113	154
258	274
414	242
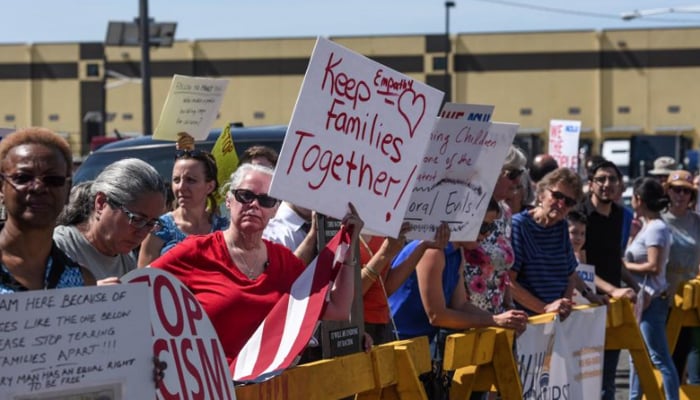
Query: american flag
287	329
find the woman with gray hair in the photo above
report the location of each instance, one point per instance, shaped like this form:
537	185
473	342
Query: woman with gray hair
106	219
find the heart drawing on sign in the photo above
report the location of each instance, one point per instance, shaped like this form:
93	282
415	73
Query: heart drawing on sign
412	109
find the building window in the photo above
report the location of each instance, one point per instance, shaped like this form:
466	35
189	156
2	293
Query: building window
674	109
623	110
574	110
127	116
92	69
526	111
259	115
9	117
53	117
438	63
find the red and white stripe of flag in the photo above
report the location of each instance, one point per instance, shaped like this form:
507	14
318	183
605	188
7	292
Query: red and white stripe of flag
287	329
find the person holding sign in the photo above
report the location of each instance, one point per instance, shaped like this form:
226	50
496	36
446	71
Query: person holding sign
194	185
106	219
544	270
35	171
237	276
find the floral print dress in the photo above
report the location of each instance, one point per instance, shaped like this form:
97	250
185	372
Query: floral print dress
486	268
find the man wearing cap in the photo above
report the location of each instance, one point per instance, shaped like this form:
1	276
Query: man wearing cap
662	168
604	248
683	259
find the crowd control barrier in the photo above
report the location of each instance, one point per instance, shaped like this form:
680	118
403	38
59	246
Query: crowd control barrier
684	313
482	360
622	332
389	371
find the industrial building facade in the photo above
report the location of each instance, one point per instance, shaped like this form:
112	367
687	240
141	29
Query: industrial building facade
617	82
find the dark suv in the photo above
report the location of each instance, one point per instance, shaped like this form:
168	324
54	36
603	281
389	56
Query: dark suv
161	154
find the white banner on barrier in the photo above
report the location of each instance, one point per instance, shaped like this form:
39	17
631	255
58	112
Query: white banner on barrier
563	359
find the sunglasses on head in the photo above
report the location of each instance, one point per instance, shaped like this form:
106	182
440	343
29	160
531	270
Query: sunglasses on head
245	196
680	189
22	180
190	153
513	174
486	228
557	195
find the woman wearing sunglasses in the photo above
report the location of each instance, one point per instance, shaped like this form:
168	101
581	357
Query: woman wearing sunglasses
683	260
544	270
194	186
238	276
35	169
106	219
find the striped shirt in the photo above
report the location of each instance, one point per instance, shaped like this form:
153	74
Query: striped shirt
544	258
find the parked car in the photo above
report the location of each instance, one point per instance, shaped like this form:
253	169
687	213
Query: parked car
161	154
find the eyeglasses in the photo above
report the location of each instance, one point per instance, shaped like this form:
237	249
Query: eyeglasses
680	189
601	179
245	196
191	153
486	228
513	174
136	220
561	196
22	181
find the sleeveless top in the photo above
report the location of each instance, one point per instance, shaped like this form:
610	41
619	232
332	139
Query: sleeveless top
61	272
172	235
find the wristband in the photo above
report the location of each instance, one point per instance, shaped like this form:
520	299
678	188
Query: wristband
371	271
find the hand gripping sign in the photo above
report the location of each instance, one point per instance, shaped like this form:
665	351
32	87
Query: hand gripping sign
358	132
185	339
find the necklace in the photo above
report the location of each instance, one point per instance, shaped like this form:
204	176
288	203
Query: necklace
251	269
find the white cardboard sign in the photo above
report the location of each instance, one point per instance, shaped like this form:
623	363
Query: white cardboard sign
191	106
79	343
185	339
563	142
458	172
357	133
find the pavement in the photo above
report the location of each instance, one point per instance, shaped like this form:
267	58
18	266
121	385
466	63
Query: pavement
622	381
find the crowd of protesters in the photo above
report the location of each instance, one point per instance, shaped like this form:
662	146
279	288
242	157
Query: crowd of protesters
541	223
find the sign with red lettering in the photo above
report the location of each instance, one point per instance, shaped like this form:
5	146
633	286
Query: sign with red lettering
563	142
357	134
78	343
458	172
185	339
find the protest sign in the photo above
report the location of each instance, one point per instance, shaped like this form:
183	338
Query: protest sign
185	339
563	359
357	133
224	152
86	343
563	142
458	172
191	106
587	274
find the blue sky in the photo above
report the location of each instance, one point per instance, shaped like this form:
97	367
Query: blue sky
39	21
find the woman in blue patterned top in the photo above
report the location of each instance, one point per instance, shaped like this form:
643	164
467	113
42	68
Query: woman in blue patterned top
194	185
35	172
544	270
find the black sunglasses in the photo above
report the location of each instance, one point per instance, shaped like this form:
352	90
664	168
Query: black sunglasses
561	196
513	174
486	228
245	196
680	189
194	153
136	220
21	180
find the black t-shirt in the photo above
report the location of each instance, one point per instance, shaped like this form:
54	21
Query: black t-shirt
603	238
